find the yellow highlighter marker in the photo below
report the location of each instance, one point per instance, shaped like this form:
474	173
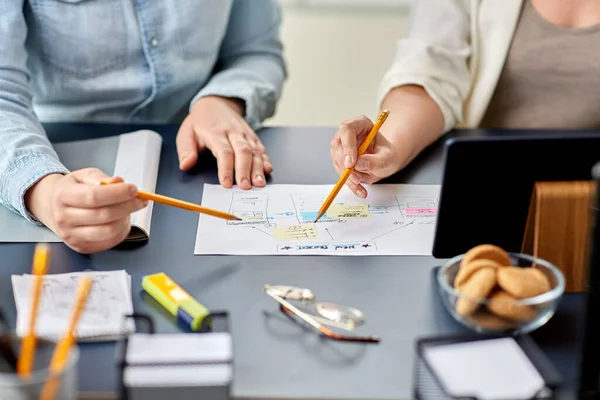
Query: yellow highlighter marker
176	300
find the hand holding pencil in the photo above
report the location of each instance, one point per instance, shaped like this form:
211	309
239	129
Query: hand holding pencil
344	152
170	201
381	159
86	217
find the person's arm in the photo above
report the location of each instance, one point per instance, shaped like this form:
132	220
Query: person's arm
26	155
240	95
415	121
424	90
435	56
33	182
250	66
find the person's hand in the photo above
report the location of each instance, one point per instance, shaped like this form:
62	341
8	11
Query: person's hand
381	159
88	217
216	123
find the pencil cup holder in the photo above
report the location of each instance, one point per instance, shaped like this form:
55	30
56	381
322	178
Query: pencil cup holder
14	387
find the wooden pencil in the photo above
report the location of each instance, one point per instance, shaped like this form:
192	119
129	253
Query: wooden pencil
28	343
169	201
346	174
63	348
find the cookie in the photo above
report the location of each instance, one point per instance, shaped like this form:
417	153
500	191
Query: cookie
490	321
504	305
523	282
478	286
486	252
466	271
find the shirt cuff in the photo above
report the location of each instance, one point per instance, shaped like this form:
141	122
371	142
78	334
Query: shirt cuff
21	175
393	81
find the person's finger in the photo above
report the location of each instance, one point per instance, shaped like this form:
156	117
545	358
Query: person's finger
258	172
338	166
362	178
187	145
111	180
337	155
374	164
92	176
348	143
243	159
267	165
355	177
357	189
219	145
99	216
95	196
367	179
91	239
350	133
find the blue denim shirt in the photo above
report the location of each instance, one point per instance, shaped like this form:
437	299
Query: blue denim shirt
127	61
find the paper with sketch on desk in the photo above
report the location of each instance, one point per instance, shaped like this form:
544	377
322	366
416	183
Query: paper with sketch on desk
395	219
108	302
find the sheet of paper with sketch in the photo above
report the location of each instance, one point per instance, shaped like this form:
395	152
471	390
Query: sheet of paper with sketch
279	219
108	302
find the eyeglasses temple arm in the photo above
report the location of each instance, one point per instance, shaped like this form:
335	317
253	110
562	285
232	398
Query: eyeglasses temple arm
304	316
323	329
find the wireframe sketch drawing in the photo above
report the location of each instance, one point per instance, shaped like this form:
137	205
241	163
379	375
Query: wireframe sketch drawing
108	302
279	219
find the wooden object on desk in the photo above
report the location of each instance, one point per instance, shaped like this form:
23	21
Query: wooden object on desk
558	228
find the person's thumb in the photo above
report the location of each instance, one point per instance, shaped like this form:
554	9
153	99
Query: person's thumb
187	146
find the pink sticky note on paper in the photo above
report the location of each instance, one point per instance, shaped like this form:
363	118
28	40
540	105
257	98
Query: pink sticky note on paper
418	211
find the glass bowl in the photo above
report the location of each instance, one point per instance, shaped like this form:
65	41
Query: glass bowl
529	313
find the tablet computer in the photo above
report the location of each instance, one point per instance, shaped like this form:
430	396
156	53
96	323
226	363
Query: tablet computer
488	179
589	382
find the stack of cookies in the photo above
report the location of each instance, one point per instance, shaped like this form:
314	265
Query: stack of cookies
486	272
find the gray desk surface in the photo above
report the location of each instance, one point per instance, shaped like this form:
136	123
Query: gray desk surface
274	357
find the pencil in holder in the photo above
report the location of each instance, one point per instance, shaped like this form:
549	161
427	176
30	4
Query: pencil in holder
16	387
184	365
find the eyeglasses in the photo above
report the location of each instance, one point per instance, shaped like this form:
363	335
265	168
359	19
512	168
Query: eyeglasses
330	314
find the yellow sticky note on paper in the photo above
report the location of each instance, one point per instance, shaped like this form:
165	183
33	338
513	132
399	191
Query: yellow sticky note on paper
295	232
348	211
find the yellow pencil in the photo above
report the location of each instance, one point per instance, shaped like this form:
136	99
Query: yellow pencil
361	150
169	201
28	343
64	346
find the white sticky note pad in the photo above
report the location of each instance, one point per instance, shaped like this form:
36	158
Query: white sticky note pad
494	369
175	360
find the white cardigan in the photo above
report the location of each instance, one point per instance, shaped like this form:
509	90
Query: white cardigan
456	50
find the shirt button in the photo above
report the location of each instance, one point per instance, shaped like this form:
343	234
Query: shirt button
154	42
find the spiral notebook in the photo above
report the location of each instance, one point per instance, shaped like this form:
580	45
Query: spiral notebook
134	156
103	318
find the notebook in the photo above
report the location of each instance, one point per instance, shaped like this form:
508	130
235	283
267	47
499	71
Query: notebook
134	156
103	318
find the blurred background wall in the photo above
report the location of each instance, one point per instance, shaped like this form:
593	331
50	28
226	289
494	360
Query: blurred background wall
337	52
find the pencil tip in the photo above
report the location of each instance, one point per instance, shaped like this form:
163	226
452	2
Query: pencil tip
318	217
236	218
